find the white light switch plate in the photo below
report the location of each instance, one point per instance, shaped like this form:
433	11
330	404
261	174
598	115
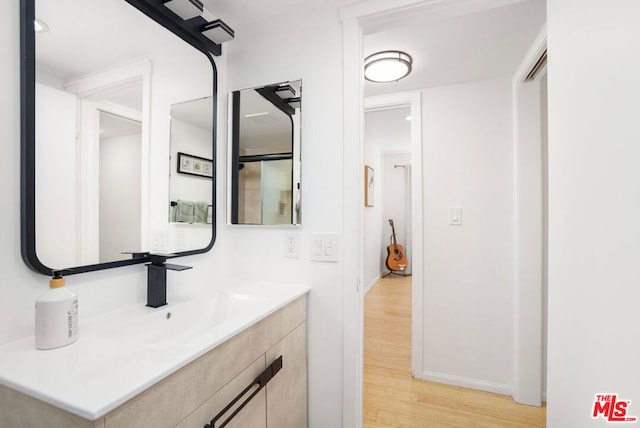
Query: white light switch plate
324	247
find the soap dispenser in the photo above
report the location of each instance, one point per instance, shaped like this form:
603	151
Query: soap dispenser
56	315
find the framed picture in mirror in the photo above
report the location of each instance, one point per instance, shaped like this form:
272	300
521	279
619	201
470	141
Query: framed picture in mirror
195	165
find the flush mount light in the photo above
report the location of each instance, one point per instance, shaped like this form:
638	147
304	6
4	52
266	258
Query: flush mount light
39	26
185	9
387	66
217	31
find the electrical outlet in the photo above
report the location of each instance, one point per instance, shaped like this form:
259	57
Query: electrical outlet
291	246
159	240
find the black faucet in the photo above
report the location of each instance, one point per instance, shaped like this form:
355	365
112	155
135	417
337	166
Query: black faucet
157	279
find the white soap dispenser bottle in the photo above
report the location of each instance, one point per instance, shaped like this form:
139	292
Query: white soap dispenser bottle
56	315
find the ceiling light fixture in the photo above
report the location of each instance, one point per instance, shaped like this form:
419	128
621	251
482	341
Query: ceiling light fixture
387	66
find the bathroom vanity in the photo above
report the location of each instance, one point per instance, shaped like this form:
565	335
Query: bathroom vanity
176	366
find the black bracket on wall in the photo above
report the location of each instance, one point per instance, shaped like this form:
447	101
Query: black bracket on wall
189	30
259	382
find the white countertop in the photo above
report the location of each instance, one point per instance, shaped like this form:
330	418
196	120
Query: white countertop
120	354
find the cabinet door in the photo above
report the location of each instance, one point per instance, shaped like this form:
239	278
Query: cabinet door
287	391
252	415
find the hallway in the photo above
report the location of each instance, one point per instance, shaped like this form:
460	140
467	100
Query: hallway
392	398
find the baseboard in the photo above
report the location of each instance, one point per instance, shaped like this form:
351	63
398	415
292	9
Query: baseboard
465	382
371	284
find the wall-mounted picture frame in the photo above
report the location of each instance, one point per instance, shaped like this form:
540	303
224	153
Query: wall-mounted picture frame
210	214
195	165
369	186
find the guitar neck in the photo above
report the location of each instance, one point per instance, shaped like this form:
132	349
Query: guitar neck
393	233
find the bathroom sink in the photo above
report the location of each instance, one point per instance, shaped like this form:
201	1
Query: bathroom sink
121	353
184	322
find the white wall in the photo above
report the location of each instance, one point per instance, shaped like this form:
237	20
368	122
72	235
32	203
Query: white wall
307	47
594	203
468	291
240	251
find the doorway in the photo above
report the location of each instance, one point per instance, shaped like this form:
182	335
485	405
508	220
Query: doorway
407	110
356	22
119	183
387	227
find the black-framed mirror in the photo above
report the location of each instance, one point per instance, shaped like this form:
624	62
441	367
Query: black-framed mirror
265	161
98	81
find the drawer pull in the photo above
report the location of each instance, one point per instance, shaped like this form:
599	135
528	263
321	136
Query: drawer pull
259	383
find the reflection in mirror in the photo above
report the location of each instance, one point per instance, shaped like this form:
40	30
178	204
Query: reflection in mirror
265	155
191	158
106	78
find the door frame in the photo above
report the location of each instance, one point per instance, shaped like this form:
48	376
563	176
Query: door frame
528	365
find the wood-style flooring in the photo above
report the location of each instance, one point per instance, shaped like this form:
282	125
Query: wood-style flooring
392	398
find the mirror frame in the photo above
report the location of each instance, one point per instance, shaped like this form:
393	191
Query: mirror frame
189	31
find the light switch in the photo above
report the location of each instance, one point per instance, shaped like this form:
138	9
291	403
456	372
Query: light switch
328	247
324	247
455	216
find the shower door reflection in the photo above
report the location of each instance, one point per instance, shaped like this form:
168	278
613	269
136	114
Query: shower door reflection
264	191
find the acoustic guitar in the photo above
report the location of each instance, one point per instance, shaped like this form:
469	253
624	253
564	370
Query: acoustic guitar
396	261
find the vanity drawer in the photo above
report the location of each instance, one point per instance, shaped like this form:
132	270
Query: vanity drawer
20	410
252	415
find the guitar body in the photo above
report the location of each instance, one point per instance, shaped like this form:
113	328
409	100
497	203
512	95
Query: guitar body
396	261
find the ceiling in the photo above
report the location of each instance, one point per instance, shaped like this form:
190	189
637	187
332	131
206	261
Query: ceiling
451	41
466	47
89	36
470	40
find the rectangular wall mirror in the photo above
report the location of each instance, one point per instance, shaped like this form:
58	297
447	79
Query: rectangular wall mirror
265	164
107	94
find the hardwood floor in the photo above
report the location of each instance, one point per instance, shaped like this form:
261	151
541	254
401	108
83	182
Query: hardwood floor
392	398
